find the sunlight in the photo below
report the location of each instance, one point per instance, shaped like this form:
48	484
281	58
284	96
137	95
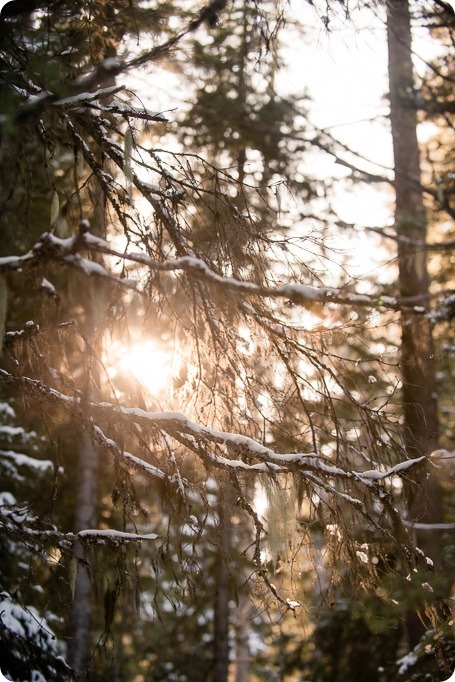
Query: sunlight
152	367
144	362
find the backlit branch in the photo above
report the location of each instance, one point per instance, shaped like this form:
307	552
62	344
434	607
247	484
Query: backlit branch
253	456
236	453
66	252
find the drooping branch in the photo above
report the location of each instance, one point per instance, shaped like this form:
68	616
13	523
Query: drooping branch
237	454
89	536
66	252
252	456
107	69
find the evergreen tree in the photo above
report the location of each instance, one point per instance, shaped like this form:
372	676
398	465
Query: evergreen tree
260	394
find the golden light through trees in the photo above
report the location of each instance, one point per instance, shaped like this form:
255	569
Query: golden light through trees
213	430
144	362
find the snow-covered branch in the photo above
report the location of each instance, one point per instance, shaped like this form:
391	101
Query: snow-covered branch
106	535
66	252
129	459
219	448
50	248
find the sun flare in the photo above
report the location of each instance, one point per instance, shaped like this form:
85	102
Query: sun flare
146	363
152	367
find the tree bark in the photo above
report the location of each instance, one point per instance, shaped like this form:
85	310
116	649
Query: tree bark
417	353
244	613
419	383
88	465
221	624
81	612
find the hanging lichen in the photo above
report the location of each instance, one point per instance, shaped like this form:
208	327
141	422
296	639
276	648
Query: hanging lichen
127	167
281	517
55	208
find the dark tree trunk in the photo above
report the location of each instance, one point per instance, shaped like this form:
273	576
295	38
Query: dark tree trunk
419	383
87	483
410	222
81	612
222	577
418	366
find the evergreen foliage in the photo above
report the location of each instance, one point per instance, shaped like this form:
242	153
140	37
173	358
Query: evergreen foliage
131	518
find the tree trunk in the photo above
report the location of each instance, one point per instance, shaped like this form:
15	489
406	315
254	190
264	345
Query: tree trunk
417	354
88	464
244	613
221	624
86	502
419	383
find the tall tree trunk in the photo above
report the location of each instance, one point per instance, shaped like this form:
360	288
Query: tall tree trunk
81	611
88	463
244	611
418	367
243	615
221	624
419	383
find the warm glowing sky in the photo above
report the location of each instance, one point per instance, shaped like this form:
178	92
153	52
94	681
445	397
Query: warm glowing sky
345	73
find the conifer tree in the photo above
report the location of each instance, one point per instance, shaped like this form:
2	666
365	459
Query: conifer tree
260	394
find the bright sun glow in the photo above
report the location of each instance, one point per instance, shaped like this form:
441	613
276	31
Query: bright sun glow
151	366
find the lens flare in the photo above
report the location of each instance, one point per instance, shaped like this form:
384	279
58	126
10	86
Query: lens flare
149	365
144	362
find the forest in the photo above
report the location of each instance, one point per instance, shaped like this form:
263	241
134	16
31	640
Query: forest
227	426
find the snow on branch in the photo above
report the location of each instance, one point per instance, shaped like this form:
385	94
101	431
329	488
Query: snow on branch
110	536
90	99
220	448
66	252
30	329
131	460
84	97
50	248
398	468
299	294
128	111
